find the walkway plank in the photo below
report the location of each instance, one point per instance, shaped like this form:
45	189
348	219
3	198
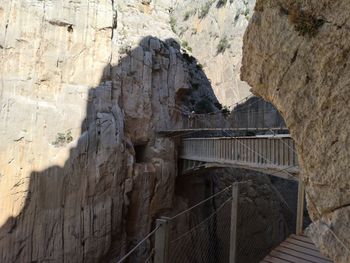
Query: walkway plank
271	259
296	249
302	238
303	250
302	244
301	255
288	257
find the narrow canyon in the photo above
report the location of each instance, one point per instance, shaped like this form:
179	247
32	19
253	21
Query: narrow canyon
98	97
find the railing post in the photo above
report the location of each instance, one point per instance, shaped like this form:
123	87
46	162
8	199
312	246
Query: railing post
300	209
161	254
234	220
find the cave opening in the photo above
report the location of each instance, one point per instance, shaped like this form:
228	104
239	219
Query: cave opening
140	152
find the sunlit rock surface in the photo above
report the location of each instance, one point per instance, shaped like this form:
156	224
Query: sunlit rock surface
296	55
213	31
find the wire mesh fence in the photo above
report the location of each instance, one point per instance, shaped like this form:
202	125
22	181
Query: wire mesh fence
202	121
142	252
262	223
205	241
252	243
252	113
201	233
240	119
207	232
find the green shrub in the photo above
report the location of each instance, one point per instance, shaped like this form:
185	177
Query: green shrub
225	110
223	45
190	59
221	3
205	9
125	49
187	15
185	44
63	138
218	105
204	106
199	66
246	13
305	23
172	23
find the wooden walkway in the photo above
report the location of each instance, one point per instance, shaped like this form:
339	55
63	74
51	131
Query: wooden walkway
296	249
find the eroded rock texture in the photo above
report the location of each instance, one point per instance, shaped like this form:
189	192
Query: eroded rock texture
83	90
296	55
213	32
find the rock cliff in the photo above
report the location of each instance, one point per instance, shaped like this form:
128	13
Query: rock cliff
83	91
296	55
213	32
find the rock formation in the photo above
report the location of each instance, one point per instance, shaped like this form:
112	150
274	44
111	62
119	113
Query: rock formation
83	91
85	85
256	113
213	32
296	55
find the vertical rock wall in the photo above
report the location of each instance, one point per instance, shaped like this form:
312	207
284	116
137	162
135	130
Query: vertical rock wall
213	32
83	91
296	55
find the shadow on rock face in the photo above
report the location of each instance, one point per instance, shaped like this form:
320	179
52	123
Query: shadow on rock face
81	212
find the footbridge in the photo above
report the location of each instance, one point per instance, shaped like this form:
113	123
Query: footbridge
247	140
240	140
272	154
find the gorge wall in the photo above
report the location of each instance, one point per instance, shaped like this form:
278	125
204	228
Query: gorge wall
85	85
296	55
83	91
213	32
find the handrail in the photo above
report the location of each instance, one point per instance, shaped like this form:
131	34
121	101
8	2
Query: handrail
258	137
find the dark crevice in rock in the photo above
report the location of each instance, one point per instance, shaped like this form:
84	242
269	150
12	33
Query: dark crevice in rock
70	28
59	23
294	56
340	207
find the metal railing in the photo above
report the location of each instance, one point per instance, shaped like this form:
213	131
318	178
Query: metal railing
268	152
142	252
221	228
205	232
207	239
253	113
235	120
201	233
203	121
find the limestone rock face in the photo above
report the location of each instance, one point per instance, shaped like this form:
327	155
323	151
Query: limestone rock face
213	32
83	91
296	55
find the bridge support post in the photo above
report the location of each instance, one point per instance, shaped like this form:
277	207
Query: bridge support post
300	208
234	219
161	248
